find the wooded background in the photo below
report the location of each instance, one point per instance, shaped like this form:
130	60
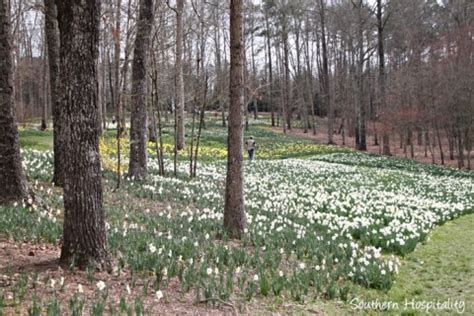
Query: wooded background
397	71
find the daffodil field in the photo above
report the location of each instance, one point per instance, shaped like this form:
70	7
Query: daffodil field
317	226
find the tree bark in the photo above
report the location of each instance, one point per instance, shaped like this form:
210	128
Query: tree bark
381	52
234	212
124	71
118	96
325	83
270	70
52	42
84	233
360	106
44	96
179	76
287	109
220	85
138	132
309	76
12	179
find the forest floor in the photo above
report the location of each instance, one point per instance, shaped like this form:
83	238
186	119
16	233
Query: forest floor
161	235
440	269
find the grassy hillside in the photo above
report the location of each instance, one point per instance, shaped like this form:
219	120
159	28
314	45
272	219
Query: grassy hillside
329	229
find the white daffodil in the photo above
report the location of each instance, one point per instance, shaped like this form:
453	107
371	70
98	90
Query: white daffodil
101	285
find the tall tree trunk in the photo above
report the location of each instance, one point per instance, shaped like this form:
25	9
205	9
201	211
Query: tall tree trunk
179	75
427	139
52	42
451	142
360	106
287	109
468	145
201	125
84	233
152	132
270	71
118	96
303	108
381	52
234	211
325	83
12	179
44	107
220	87
254	70
102	96
309	77
438	136
138	131
124	72
111	80
116	66
460	148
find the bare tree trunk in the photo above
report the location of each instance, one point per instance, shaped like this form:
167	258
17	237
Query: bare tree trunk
220	86
468	145
179	75
325	83
52	41
102	96
302	105
84	239
124	96
193	124
246	92
451	142
381	52
419	136
440	144
118	96
254	70
430	142
44	108
360	108
12	179
152	137
270	71
309	77
287	109
138	131
191	148
343	132
426	143
201	124
401	140
460	147
124	71
157	123
234	212
111	82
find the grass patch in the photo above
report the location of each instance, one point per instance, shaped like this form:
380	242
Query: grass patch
440	269
36	139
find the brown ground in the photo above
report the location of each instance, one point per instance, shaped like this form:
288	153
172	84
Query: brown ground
419	151
42	259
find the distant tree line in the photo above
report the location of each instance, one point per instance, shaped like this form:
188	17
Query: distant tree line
399	71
